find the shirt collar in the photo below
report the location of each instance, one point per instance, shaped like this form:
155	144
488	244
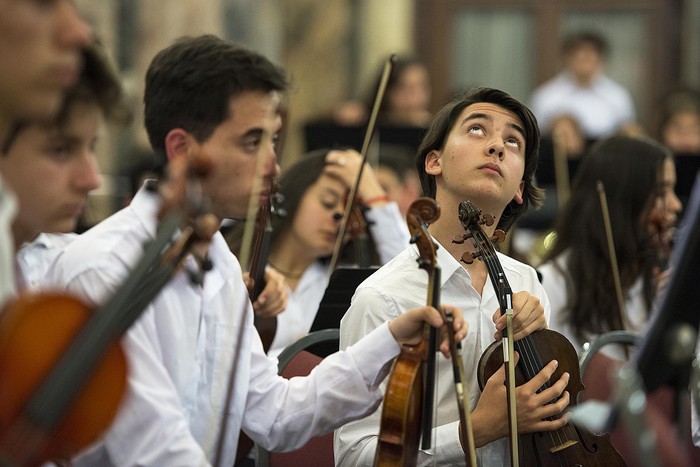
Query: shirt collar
146	205
447	263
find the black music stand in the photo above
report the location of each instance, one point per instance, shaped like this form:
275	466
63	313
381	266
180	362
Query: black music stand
328	134
336	301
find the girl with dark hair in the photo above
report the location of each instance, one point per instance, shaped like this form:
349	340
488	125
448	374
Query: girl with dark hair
314	191
639	176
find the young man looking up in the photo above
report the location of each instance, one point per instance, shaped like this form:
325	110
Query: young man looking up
481	147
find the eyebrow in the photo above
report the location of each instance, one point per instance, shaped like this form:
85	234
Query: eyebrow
479	116
253	132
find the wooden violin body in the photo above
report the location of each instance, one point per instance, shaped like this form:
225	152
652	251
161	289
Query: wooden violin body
570	445
35	331
397	444
408	403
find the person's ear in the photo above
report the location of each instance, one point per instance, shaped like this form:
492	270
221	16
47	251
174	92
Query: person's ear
518	198
178	143
433	163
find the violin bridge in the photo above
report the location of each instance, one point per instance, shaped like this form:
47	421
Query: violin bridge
564	445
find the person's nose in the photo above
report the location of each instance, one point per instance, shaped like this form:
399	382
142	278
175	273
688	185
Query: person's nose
72	30
674	203
495	147
87	173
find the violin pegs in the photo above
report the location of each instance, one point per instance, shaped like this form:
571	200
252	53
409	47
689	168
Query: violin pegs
459	239
487	219
499	236
467	258
414	238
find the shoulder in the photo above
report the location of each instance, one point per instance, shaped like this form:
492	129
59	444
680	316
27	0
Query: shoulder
117	242
398	274
518	271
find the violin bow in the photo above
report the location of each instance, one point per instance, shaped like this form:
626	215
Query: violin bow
243	259
472	219
613	255
386	72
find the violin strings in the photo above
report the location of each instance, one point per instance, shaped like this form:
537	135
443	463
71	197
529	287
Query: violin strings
531	360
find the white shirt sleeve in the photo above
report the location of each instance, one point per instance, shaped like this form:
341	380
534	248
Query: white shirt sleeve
8	209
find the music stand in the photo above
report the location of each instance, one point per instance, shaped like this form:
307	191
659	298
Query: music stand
336	301
320	134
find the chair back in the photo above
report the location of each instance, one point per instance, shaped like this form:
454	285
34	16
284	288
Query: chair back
295	360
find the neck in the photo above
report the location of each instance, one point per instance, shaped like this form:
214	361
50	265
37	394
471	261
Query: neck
448	226
287	258
22	235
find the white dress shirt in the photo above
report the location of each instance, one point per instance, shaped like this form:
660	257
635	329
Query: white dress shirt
8	209
187	344
390	234
35	258
554	281
398	286
599	109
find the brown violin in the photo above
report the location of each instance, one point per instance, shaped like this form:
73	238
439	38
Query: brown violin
357	228
266	326
570	445
407	410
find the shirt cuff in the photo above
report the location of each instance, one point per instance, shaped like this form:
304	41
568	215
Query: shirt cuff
448	440
373	354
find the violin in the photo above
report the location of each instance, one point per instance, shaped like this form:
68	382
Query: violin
357	228
266	326
407	414
407	409
570	445
62	369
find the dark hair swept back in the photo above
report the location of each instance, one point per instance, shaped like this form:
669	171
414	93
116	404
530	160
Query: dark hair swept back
443	123
189	85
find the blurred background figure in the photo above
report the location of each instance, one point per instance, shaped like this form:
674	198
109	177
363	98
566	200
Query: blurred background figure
643	207
396	172
598	105
680	124
680	132
406	101
403	116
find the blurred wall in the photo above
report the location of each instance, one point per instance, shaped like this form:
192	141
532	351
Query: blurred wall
332	50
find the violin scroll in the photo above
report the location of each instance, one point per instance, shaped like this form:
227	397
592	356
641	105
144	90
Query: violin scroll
422	212
469	214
